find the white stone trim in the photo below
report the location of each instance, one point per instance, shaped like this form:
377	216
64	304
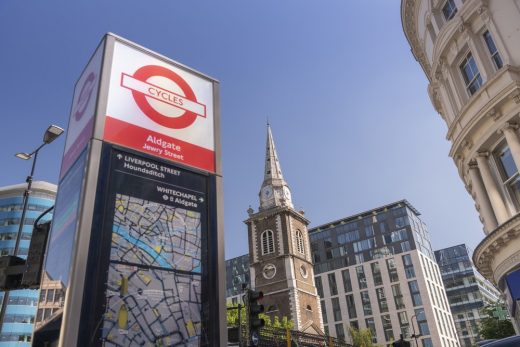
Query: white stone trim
280	234
254	241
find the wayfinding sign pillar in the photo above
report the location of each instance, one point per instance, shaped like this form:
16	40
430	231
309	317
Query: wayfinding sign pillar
137	239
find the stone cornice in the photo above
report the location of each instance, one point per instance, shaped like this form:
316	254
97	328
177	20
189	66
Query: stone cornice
483	255
276	211
408	19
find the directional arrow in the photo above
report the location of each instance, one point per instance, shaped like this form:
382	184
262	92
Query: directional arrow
119	156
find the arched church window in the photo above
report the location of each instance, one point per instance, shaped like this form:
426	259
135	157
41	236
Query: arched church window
300	245
267	242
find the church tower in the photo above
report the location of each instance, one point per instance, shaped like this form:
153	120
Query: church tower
279	251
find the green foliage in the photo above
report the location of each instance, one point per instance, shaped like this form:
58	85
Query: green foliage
284	323
232	315
361	337
492	327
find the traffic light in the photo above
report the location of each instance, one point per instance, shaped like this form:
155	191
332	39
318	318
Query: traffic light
254	309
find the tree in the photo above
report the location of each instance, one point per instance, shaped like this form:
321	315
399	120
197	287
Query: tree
361	337
232	315
497	324
276	322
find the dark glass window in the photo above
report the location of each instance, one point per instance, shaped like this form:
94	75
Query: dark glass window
340	331
351	306
347	283
392	270
495	56
415	293
336	309
333	286
319	286
324	311
398	296
387	327
449	9
381	300
365	300
362	280
471	74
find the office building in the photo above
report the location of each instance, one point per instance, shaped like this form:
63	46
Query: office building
237	275
467	290
376	270
20	310
470	53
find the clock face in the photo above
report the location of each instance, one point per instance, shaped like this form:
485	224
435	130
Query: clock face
269	271
267	193
287	193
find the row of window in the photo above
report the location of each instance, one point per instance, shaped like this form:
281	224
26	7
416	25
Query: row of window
267	242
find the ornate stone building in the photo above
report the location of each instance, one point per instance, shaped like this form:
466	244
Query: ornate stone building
470	53
279	252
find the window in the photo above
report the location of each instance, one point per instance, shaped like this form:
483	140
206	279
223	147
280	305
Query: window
372	326
267	242
348	237
497	60
347	283
300	245
449	9
415	293
392	270
508	171
387	327
376	273
381	299
362	280
340	332
351	306
323	311
408	266
398	296
319	286
332	284
471	75
365	301
421	321
336	309
363	245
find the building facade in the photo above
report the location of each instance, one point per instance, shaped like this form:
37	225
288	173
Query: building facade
467	290
237	275
20	312
376	270
280	259
470	53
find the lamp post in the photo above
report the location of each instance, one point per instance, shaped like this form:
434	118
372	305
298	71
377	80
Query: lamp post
415	336
52	132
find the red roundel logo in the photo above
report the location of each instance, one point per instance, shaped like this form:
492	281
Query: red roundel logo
143	92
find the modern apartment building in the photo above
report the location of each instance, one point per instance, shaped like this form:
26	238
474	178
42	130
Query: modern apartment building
20	310
470	53
376	270
467	290
237	273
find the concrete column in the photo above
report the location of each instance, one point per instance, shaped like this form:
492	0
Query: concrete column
493	191
486	211
512	141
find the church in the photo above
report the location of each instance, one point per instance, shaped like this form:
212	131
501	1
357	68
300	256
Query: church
280	257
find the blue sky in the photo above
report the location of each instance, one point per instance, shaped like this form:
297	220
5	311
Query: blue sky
347	102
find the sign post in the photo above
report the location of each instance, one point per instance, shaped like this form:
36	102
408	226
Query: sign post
147	240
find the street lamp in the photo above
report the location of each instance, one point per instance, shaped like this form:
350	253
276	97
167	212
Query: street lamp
415	336
52	132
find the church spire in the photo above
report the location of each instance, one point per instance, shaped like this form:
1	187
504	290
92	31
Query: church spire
275	191
273	171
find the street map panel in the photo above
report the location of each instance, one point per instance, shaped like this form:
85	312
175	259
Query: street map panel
151	307
154	234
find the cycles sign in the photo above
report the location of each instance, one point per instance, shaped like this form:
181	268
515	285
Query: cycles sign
160	108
